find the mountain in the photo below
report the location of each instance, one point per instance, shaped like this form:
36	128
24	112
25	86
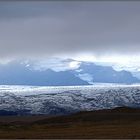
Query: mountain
104	74
19	74
86	73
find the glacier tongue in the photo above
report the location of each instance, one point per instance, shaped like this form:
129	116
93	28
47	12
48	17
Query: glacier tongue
67	99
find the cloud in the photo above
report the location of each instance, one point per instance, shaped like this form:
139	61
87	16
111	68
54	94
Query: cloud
55	64
47	29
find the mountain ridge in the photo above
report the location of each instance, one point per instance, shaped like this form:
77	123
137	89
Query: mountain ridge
17	73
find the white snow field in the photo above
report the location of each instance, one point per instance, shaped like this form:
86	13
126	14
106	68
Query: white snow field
67	99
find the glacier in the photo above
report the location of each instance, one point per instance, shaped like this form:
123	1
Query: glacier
59	100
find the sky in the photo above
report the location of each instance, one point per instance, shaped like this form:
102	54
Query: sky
104	31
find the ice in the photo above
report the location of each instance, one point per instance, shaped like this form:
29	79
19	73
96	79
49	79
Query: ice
67	99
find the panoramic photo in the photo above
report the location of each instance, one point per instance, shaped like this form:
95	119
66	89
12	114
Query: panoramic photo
69	69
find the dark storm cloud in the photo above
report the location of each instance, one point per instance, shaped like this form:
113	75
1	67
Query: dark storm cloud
36	29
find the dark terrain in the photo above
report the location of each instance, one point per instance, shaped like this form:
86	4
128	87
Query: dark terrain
115	123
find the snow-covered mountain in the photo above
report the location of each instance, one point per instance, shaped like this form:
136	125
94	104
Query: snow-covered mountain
16	73
93	73
21	100
61	73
